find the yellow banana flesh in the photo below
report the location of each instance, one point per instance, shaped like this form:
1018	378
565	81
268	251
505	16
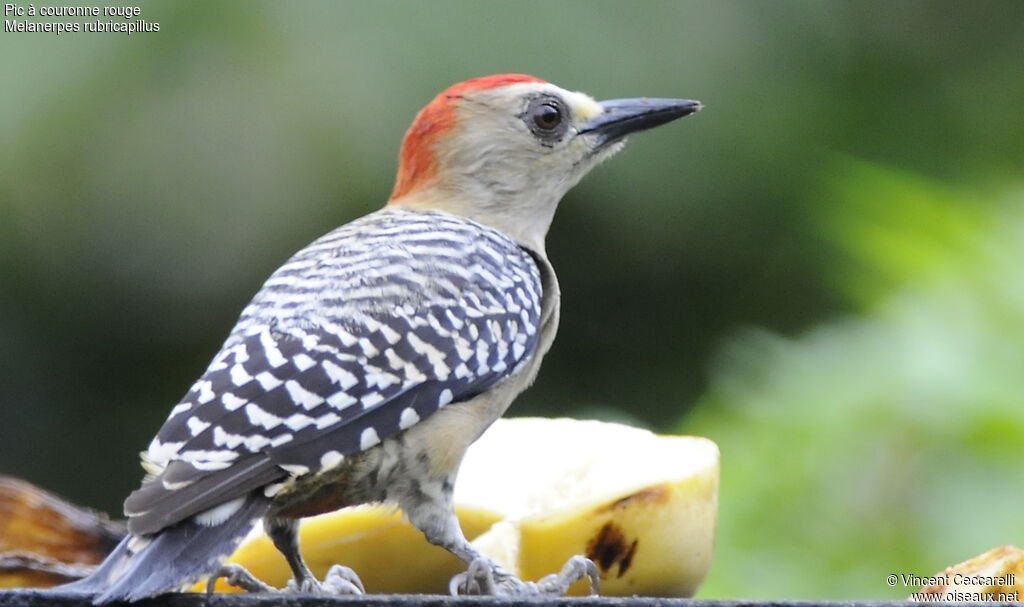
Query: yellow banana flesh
643	507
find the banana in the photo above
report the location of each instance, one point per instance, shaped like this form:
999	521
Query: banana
996	575
389	554
531	493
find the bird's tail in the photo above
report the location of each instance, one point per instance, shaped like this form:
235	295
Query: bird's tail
174	558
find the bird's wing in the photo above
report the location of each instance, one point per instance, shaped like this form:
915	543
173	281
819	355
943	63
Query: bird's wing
362	334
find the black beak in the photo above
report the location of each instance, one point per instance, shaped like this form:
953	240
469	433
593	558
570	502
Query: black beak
622	117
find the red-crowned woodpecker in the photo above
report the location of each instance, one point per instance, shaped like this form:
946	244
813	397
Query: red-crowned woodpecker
367	364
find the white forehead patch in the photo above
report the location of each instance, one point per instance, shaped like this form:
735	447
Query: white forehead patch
584	108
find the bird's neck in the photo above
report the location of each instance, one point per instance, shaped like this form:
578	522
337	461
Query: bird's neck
524	220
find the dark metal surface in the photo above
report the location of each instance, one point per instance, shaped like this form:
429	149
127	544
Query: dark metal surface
44	598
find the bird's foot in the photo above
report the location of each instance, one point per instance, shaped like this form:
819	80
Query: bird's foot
574	570
238	576
340	580
485	577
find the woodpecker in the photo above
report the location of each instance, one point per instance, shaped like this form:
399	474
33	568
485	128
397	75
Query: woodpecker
367	364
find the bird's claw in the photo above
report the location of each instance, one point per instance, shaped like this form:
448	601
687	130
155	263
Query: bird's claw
574	570
238	576
339	581
478	578
483	577
342	580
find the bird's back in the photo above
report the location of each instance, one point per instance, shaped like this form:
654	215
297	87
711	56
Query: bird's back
381	321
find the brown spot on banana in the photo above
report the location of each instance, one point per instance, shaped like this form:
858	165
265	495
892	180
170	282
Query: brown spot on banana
650	495
610	548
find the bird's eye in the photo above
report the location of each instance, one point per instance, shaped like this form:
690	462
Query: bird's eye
547	116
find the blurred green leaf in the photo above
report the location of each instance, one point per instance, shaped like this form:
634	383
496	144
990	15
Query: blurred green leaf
892	226
889	442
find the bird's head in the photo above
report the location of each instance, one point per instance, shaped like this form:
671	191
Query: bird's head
504	149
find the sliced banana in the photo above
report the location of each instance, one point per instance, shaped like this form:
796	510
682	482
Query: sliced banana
534	492
996	575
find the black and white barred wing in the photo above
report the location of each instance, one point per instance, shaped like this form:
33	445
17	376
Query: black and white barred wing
353	340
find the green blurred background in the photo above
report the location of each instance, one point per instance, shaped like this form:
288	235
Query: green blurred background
823	271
